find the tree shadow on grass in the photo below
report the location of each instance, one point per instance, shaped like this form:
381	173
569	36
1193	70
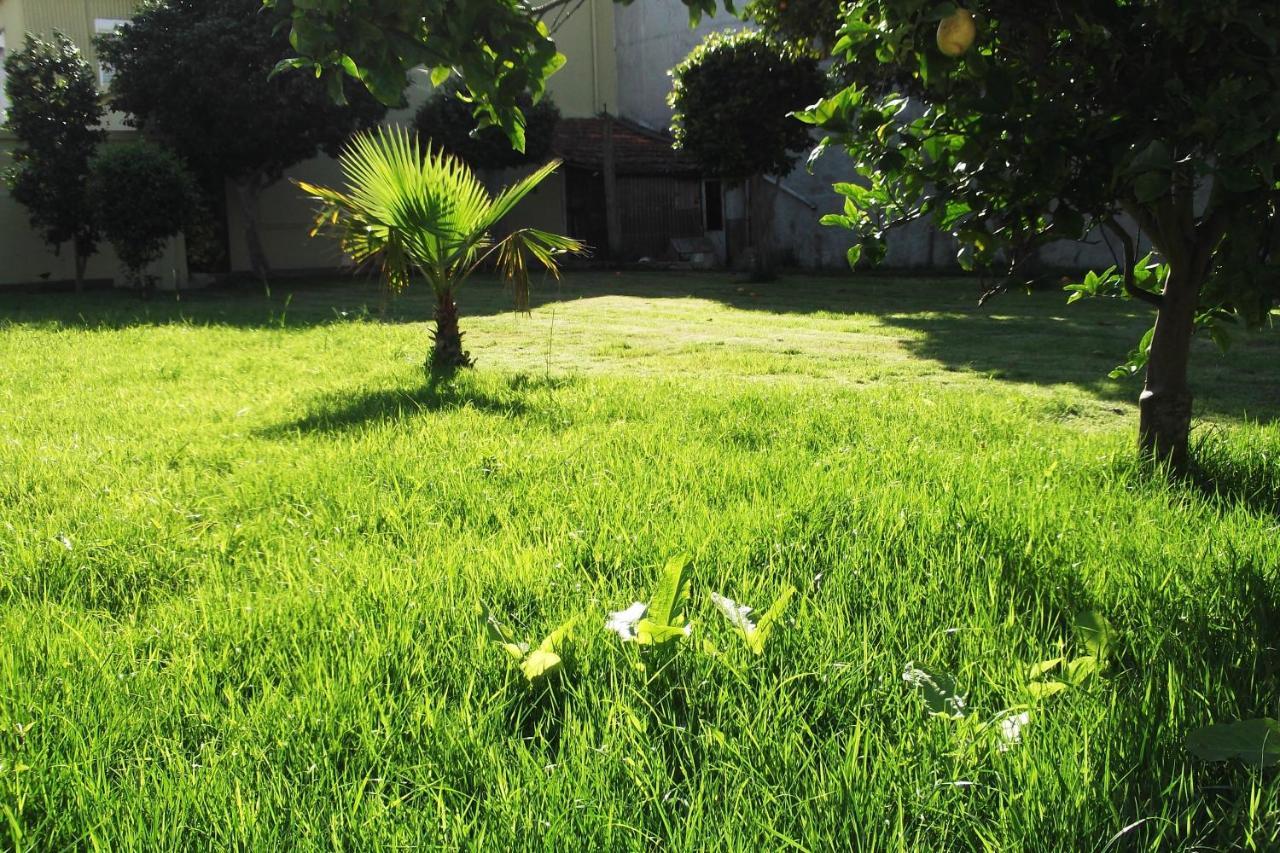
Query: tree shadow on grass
342	412
1237	474
1078	345
1031	338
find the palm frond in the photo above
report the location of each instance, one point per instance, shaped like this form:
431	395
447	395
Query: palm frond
514	194
545	247
410	210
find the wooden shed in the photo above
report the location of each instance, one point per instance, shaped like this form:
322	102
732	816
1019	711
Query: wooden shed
661	194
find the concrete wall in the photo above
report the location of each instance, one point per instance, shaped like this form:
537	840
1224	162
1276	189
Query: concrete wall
588	84
652	37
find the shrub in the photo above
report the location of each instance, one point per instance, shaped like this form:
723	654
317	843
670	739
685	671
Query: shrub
141	196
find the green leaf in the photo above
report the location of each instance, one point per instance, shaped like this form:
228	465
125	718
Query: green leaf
540	664
1220	336
757	638
854	255
333	83
739	616
1079	670
652	633
1155	157
1043	667
1095	631
1255	742
667	605
492	630
290	65
559	639
1045	689
439	75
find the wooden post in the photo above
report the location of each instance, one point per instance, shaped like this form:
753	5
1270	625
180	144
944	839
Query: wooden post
612	212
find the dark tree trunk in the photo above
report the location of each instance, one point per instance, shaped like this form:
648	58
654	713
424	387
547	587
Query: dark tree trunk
247	194
82	262
84	247
447	354
763	200
1164	423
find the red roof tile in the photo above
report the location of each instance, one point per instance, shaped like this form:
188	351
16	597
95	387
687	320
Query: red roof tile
637	150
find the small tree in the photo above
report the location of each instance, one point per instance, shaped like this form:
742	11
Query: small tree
733	97
196	75
413	212
140	194
445	120
56	116
1140	118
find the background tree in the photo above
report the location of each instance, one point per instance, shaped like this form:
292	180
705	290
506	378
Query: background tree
810	24
411	212
733	97
446	121
140	194
1152	119
55	113
499	50
194	75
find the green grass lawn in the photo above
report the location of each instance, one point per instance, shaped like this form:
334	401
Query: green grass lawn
242	547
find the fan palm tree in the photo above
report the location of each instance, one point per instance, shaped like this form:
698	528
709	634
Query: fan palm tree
420	212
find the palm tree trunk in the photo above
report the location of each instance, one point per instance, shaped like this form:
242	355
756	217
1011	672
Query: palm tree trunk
447	354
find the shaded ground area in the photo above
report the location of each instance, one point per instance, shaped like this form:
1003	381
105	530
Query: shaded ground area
824	327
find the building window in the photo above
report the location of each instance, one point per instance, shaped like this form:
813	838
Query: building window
102	27
4	80
714	205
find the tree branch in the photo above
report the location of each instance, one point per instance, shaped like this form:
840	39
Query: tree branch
1147	223
550	5
1131	261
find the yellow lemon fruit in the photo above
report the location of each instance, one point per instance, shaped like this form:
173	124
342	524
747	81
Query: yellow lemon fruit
956	32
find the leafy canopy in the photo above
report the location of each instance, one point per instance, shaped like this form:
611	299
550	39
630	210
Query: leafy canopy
445	120
194	73
500	50
734	96
806	23
56	116
1158	116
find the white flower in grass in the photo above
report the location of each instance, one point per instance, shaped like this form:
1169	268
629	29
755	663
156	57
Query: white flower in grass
737	614
1011	730
623	622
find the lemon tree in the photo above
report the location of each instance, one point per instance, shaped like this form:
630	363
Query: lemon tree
1140	122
